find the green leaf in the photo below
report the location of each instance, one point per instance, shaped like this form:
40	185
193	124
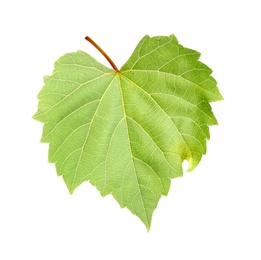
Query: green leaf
128	131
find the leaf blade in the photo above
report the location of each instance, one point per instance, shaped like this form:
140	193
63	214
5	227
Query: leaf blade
128	132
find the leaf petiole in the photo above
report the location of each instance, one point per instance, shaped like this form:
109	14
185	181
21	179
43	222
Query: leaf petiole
89	39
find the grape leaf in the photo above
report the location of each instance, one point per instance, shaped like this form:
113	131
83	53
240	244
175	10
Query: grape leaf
128	131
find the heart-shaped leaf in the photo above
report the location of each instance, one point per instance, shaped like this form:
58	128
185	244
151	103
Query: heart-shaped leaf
128	131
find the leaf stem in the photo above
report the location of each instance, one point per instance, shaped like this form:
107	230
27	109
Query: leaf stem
89	39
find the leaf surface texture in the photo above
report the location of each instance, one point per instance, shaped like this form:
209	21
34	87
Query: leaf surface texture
128	133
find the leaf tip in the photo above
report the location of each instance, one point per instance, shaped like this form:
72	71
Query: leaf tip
35	116
70	189
148	228
191	164
221	97
173	37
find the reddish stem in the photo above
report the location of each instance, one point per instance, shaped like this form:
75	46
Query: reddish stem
89	39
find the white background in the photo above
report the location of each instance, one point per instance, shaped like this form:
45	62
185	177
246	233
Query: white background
210	213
